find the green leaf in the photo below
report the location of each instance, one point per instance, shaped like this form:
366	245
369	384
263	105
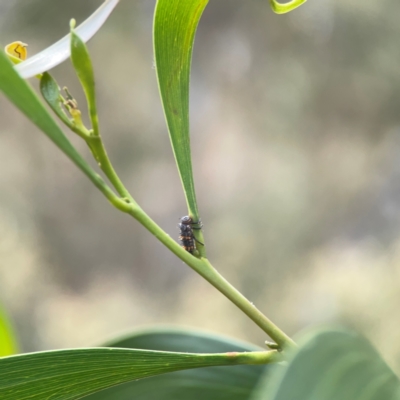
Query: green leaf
72	374
283	8
175	24
181	340
84	69
212	383
21	94
8	342
333	365
51	93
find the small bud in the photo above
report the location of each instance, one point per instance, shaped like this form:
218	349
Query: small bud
273	346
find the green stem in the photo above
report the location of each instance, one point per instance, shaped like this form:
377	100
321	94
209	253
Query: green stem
237	298
97	147
201	265
207	271
200	243
248	358
115	200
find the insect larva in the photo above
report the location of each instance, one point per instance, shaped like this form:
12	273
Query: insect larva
186	236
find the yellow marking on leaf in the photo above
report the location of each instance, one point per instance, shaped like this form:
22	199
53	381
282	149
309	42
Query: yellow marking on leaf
16	51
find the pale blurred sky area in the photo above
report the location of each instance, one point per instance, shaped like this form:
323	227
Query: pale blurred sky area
295	127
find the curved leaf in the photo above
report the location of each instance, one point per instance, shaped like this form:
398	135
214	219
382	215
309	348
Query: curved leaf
175	24
283	8
16	51
212	383
51	93
8	342
178	339
60	51
333	365
84	69
72	374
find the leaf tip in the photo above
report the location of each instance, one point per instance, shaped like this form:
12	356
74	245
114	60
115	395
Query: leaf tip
284	8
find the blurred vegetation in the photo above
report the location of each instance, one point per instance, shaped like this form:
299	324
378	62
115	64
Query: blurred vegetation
295	137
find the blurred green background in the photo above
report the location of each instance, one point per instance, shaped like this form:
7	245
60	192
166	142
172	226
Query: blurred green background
295	124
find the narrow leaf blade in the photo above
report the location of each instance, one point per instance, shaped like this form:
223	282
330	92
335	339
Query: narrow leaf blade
175	24
211	383
83	66
72	374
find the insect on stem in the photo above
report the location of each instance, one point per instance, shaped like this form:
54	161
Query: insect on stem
186	236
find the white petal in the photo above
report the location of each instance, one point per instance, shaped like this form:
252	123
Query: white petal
60	51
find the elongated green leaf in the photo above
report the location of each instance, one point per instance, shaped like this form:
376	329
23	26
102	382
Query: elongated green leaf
333	365
84	69
175	24
8	342
72	374
21	94
212	383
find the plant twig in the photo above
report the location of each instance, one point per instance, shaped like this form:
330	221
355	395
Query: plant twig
203	267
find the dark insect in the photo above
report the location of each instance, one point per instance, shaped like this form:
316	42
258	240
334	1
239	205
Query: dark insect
187	237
